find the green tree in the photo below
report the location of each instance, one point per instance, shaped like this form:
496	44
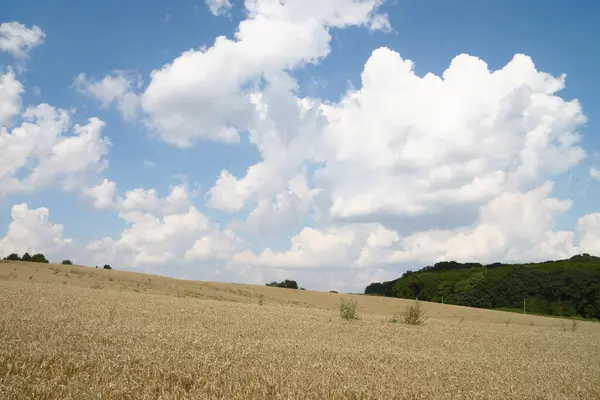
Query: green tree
13	257
67	262
39	258
26	257
288	284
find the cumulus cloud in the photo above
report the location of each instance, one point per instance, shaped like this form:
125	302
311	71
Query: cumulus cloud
404	148
37	154
588	228
71	158
118	88
157	240
512	227
595	173
160	229
19	40
31	231
184	102
103	196
433	141
10	98
221	245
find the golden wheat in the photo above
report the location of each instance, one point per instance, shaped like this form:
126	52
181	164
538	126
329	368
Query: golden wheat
69	341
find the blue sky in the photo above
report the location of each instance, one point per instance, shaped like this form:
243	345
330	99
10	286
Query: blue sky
97	38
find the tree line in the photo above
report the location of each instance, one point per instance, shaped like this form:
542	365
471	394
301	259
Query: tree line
564	288
39	258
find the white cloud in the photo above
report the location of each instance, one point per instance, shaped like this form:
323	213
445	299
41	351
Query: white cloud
595	173
512	227
35	154
139	200
117	88
31	231
462	138
184	102
102	195
405	146
336	247
10	98
72	158
151	240
284	211
221	245
588	228
218	7
18	39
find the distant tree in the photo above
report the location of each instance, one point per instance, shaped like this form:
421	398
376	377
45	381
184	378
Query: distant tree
332	291
96	266
107	266
288	284
13	257
39	258
67	262
26	257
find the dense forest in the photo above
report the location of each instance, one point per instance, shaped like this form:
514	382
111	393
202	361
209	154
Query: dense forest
565	287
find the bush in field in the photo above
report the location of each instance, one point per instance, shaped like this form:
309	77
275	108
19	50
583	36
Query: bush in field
348	309
414	315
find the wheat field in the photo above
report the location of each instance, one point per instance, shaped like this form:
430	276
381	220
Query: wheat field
70	332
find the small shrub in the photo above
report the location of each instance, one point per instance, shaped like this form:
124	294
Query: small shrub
508	322
574	325
67	262
415	314
107	266
261	299
395	319
348	309
96	286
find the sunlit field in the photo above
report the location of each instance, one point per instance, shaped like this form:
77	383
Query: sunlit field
69	332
